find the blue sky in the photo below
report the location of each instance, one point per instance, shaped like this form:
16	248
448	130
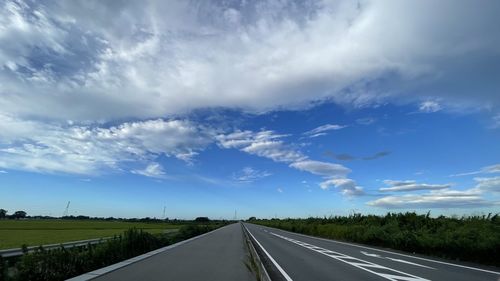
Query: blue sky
296	108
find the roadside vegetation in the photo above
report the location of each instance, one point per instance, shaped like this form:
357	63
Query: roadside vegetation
471	238
61	263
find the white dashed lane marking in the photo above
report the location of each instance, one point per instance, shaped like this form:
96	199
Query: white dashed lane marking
396	260
380	270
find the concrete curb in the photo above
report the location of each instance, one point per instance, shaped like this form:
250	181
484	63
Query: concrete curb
262	272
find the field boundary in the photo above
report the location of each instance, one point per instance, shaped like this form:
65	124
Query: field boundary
98	272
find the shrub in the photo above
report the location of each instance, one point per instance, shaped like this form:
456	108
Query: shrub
63	263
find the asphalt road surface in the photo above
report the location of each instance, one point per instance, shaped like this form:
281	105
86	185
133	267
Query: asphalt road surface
217	256
304	258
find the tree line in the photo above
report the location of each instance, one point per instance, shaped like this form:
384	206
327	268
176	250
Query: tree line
24	215
15	215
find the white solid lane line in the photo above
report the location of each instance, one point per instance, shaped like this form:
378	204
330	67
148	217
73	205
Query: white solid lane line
394	253
380	270
281	270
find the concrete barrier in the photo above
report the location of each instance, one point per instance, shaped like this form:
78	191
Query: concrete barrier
262	274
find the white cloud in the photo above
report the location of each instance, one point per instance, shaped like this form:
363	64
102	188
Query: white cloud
146	60
273	150
439	196
496	121
79	149
321	168
347	186
153	170
249	174
493	169
488	184
411	186
279	190
264	144
445	198
3	172
334	175
318	135
429	107
320	131
270	145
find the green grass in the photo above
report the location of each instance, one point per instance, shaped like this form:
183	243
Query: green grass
15	233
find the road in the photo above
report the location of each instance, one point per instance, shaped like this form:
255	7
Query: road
304	258
217	256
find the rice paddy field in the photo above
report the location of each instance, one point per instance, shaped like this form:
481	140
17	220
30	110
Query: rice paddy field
15	233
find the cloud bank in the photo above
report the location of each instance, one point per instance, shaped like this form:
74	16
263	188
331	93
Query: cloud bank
90	150
89	86
100	60
411	186
270	145
446	198
483	194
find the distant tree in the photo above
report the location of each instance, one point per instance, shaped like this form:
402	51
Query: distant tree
80	217
3	213
19	215
202	219
252	218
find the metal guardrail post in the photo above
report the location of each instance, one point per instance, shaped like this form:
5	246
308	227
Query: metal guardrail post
8	253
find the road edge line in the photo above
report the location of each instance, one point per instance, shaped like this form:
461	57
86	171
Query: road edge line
280	269
110	268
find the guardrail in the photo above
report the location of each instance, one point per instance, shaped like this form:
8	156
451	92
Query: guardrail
262	274
19	251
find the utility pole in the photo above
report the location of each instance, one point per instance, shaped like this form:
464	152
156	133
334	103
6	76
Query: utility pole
66	211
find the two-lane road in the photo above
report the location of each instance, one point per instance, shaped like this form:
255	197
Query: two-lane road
305	258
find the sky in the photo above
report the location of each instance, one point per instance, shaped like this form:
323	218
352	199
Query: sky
259	108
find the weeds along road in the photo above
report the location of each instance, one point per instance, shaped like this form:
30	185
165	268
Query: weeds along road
217	256
304	258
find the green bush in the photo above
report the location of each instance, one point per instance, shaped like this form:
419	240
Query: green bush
63	263
3	269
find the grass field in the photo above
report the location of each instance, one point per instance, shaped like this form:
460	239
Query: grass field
14	233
